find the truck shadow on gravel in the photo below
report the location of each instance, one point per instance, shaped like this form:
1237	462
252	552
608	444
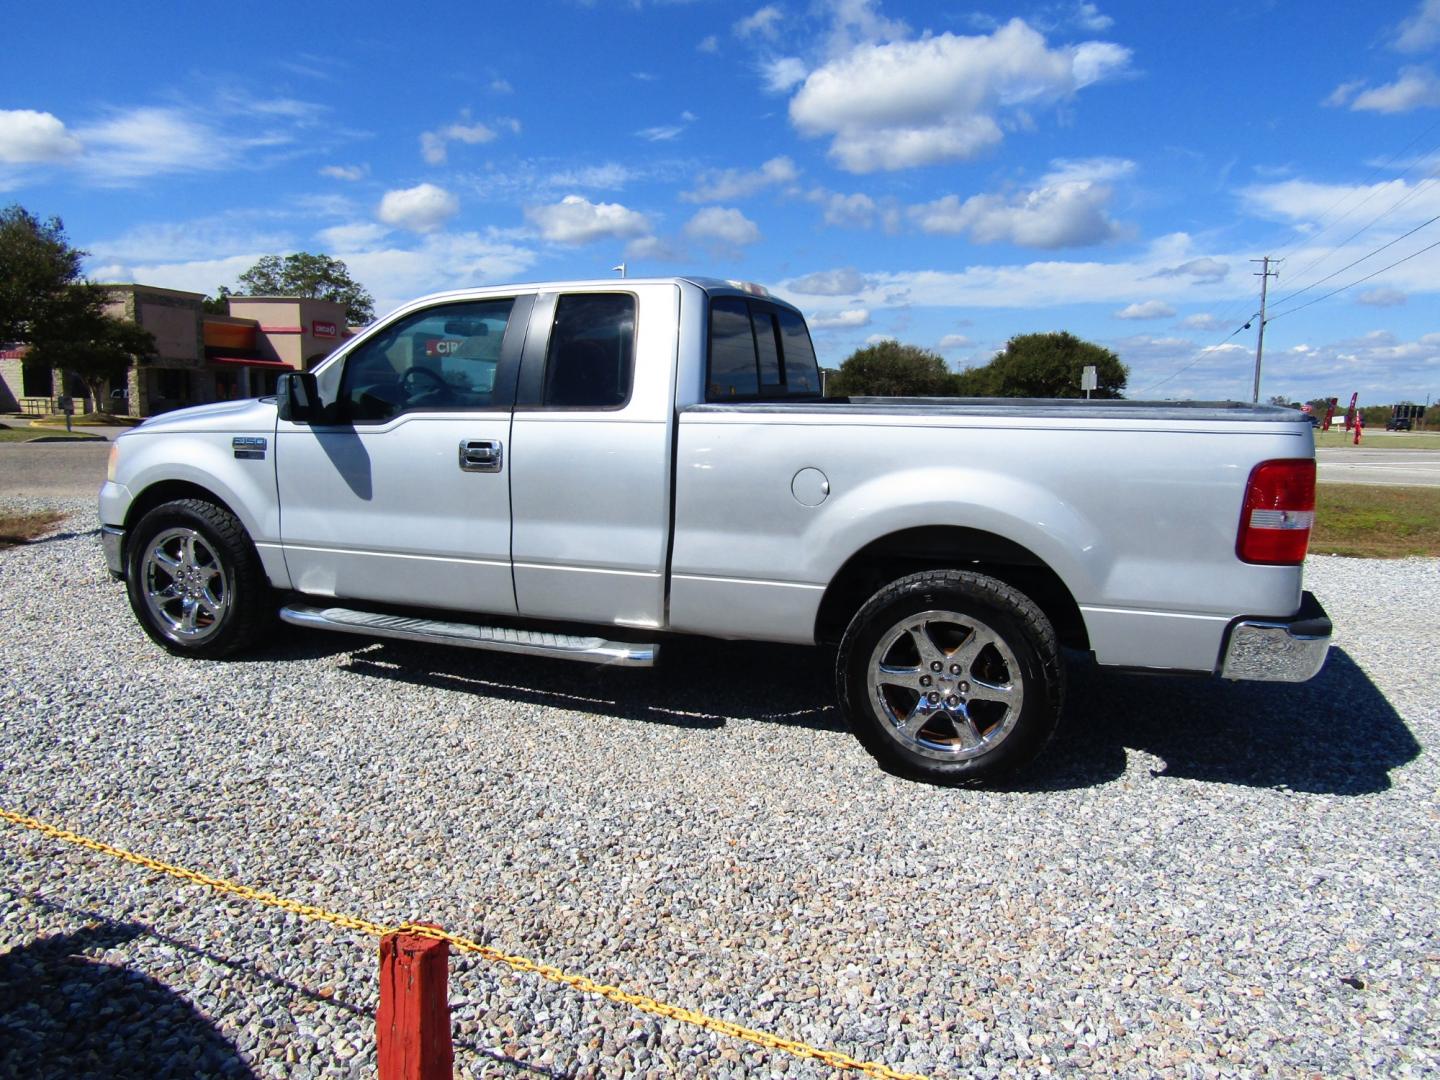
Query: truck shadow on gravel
65	1015
697	684
1335	735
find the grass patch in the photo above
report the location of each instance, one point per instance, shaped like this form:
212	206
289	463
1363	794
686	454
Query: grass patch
87	420
1386	440
1374	522
18	529
10	435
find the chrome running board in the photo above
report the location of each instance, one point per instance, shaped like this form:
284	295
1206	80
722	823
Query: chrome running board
593	650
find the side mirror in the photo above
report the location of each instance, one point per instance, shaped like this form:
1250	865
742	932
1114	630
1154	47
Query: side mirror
298	396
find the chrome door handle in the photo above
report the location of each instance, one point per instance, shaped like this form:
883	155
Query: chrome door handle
481	455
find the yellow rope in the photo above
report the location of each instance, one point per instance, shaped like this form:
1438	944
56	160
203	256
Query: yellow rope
581	983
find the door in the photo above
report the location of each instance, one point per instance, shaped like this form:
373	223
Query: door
592	432
402	495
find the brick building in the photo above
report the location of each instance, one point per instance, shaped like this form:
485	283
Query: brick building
199	357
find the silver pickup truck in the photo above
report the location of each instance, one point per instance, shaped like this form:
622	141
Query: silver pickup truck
583	469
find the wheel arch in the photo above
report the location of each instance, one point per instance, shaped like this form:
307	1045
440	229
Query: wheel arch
954	547
164	491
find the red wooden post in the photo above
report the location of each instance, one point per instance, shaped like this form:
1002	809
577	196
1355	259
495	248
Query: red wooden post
412	1025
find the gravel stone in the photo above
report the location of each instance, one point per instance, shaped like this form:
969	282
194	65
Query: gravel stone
1200	879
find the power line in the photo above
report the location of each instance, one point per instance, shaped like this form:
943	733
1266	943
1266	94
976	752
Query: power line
1204	354
1357	262
1393	208
1357	281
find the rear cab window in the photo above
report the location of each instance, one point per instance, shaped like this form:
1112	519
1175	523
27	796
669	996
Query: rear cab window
758	351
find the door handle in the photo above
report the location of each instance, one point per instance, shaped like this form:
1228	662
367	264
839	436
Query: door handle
481	455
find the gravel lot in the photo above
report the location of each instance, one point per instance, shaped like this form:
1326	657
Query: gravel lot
1201	879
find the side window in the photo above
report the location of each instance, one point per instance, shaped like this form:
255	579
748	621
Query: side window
732	351
758	351
591	356
802	371
442	358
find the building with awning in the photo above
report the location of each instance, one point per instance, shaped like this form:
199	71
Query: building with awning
199	357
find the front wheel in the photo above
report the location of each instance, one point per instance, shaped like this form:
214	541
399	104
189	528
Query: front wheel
950	676
194	580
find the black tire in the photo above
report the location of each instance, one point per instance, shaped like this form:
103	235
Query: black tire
195	581
985	712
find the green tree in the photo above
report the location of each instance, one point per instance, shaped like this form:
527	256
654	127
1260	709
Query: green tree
37	264
889	369
1045	366
79	337
302	274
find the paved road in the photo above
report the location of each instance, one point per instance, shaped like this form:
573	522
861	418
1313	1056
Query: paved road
52	469
1396	468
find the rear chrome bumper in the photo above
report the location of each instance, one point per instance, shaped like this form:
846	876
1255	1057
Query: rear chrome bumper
113	541
1278	650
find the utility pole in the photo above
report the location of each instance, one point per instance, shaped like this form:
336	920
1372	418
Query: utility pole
1264	275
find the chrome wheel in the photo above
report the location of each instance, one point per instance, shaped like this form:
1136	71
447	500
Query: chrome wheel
946	685
185	586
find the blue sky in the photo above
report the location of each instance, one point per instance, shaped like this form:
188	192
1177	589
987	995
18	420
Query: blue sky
950	176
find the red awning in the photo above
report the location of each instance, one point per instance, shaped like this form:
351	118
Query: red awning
245	361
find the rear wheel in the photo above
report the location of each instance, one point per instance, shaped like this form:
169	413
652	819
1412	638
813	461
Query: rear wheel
194	580
951	676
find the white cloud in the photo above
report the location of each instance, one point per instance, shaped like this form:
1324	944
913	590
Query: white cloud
434	146
1203	270
856	22
879	339
855	211
723	226
28	137
1089	17
345	172
1416	88
501	86
195	240
439	261
828	283
727	185
1342	94
709	44
1303	201
423	208
1150	309
151	141
611	176
1381	298
954	341
1206	322
576	220
1067	209
907	103
356	236
851	319
654	248
763	23
1421	31
667	132
781	73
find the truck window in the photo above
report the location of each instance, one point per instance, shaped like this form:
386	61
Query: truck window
439	358
758	352
591	356
732	351
802	372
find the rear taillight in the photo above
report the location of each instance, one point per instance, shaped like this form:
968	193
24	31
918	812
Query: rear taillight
1279	512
